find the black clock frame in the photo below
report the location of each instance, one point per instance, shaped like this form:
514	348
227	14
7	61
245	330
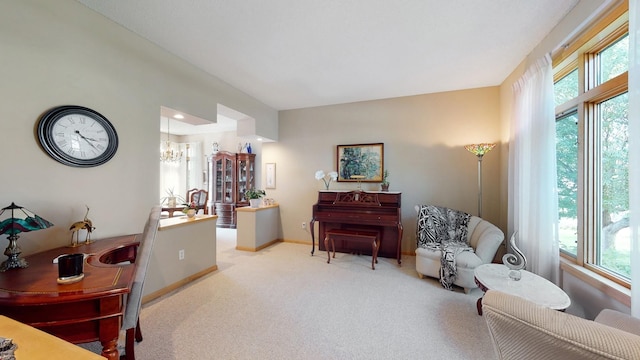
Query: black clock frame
45	136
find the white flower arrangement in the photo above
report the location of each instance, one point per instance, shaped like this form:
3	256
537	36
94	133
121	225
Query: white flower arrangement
326	178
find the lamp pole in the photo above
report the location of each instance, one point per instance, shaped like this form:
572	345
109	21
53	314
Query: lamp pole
479	186
479	150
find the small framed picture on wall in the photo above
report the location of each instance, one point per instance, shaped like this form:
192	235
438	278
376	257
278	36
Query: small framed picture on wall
270	170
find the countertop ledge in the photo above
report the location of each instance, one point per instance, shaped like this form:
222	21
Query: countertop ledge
168	223
262	207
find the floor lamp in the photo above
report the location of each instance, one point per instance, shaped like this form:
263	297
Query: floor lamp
479	150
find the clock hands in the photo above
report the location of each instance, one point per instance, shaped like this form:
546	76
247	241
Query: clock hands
84	137
88	140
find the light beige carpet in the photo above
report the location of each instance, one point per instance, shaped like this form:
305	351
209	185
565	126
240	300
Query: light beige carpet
282	303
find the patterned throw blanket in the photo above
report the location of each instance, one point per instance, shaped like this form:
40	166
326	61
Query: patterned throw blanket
444	230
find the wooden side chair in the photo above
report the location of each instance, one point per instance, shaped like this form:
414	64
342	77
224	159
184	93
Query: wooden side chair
131	321
200	197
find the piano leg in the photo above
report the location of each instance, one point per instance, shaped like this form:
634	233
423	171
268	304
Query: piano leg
374	253
399	254
313	238
326	246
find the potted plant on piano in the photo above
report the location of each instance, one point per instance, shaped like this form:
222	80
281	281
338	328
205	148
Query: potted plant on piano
254	196
384	185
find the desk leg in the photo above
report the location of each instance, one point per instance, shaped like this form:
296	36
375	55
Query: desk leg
109	327
110	349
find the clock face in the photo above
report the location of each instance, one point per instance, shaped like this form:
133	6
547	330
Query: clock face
77	136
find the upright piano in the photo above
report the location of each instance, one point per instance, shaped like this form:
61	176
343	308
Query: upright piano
359	210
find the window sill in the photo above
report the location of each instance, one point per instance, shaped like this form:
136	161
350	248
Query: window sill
608	287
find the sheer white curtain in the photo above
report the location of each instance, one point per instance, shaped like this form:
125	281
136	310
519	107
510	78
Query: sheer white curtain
634	151
532	170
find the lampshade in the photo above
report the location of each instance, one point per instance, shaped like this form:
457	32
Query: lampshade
479	149
15	219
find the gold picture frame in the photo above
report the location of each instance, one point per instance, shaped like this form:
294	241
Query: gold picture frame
360	162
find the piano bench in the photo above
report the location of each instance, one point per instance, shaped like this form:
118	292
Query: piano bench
372	237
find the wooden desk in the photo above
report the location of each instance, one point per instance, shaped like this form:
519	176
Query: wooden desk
86	311
35	344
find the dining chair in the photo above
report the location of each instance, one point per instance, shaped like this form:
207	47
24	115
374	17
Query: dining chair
200	198
131	320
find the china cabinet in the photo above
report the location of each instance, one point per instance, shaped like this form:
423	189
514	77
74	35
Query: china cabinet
232	174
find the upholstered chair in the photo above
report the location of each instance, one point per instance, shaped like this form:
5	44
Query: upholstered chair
485	239
523	330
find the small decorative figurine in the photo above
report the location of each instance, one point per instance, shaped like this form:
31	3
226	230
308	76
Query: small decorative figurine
79	225
516	262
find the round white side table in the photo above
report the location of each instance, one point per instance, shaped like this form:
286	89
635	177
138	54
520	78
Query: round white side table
530	287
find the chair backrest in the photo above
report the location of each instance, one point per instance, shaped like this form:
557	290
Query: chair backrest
199	197
134	299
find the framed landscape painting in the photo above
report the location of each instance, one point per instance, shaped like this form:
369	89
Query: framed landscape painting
360	162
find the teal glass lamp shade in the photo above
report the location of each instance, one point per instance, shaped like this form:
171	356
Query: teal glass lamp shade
15	219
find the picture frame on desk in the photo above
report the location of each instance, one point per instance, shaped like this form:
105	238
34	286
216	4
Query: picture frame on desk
360	162
270	170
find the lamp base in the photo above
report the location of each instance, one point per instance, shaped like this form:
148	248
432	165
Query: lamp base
13	263
13	251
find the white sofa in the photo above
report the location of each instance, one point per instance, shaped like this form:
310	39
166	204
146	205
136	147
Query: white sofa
484	238
522	330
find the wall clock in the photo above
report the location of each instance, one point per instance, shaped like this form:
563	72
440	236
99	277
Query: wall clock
77	136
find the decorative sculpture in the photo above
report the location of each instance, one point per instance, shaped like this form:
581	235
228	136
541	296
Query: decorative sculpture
79	225
516	262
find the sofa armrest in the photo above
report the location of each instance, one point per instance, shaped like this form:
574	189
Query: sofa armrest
487	239
619	320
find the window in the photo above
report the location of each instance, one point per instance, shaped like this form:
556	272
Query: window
592	148
567	169
614	244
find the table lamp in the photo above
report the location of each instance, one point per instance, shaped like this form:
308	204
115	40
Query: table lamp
13	222
479	150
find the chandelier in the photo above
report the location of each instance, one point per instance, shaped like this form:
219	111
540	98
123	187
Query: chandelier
168	154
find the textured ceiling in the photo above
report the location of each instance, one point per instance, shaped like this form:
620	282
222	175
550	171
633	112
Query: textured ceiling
302	53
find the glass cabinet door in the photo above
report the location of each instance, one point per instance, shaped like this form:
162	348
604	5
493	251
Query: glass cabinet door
242	180
228	180
245	173
218	179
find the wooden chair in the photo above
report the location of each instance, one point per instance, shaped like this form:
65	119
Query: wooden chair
200	197
131	321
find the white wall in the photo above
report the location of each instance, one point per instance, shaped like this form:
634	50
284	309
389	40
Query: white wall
60	52
424	138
